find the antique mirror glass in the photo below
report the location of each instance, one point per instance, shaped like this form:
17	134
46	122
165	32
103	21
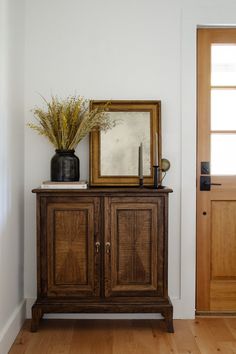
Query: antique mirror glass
121	144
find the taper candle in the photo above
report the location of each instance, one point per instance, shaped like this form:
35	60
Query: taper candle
156	162
140	161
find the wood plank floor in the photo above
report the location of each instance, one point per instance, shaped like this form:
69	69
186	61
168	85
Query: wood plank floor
203	335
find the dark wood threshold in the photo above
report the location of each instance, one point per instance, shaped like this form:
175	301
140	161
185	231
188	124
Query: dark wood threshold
215	314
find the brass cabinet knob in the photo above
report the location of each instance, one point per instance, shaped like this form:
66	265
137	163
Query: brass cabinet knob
108	247
97	246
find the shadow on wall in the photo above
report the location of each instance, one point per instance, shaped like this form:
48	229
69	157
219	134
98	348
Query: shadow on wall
11	222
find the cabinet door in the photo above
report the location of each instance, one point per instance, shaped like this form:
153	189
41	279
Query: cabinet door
134	247
71	263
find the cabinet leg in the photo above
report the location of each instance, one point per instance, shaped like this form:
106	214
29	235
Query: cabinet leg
37	314
168	315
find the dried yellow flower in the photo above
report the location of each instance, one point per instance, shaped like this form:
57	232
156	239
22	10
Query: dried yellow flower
65	122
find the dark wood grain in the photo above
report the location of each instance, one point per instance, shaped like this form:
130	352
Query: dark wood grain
133	266
70	249
105	191
102	250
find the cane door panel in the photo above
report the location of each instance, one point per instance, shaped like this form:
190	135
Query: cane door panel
134	245
73	264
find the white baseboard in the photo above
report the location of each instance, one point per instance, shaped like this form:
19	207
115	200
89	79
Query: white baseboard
181	310
29	303
12	328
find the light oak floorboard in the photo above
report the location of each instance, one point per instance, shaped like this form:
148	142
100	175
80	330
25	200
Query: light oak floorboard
200	336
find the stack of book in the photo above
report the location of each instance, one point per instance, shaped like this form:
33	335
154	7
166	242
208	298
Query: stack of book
64	185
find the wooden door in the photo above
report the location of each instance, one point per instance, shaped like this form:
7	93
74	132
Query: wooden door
216	208
134	247
72	247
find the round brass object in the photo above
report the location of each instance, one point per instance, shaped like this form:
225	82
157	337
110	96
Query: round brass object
165	165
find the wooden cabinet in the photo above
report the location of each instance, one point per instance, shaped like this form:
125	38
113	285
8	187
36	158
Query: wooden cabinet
102	250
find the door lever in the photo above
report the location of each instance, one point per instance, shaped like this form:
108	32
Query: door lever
205	183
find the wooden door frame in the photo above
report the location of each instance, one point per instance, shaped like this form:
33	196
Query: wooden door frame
205	37
203	110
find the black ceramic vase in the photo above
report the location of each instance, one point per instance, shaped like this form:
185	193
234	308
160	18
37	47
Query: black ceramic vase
65	166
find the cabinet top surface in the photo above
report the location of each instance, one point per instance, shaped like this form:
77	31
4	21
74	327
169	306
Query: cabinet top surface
106	190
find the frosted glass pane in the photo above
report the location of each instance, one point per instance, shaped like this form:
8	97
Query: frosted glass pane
223	109
223	64
223	154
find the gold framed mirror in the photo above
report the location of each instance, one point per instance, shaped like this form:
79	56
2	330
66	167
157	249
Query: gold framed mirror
115	154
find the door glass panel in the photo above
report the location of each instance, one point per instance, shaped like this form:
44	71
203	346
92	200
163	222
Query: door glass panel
223	154
223	109
223	64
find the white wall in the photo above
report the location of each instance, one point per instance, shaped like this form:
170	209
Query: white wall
126	49
102	50
11	171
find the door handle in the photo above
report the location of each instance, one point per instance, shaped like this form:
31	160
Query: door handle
205	183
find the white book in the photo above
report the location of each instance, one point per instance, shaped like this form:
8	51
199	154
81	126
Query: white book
64	185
